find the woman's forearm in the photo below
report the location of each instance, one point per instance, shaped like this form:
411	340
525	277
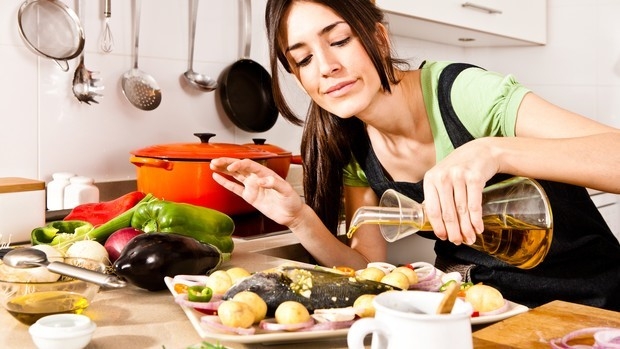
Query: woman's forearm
590	161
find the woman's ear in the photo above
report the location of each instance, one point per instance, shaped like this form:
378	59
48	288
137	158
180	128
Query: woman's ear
383	38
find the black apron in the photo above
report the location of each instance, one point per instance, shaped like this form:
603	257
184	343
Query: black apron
583	263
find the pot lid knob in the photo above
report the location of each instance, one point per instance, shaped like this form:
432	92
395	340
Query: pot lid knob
259	141
204	137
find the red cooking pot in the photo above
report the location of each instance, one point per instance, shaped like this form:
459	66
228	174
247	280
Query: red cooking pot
180	172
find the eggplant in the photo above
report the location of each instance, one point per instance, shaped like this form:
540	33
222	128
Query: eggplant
148	258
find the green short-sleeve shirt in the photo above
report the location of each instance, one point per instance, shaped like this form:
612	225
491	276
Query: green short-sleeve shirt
485	102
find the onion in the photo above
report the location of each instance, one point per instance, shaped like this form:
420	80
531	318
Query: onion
334	314
330	325
272	325
214	322
601	334
212	305
117	240
90	249
499	310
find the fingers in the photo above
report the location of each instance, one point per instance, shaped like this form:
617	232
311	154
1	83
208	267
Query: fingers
454	208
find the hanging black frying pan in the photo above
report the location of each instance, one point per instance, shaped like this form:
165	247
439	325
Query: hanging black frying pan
244	88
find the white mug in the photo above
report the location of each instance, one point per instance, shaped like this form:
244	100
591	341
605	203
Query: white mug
408	319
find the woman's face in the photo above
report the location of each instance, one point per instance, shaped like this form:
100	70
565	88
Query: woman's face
328	60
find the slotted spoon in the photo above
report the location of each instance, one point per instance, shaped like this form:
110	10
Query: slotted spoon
139	88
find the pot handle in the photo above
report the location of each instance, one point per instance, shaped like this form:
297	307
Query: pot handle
150	162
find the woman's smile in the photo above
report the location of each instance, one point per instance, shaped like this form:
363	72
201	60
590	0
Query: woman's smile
340	89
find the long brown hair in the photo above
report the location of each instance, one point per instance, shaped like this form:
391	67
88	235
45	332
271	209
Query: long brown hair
326	139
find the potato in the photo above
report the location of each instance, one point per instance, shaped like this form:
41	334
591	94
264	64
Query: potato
235	314
363	305
410	273
396	279
219	281
257	304
237	273
291	312
372	273
484	298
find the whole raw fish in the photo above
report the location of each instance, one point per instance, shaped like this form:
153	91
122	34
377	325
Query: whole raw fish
314	288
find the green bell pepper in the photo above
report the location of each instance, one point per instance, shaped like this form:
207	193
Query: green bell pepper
201	223
62	234
58	232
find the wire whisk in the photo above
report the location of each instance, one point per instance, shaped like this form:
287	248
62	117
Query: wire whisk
107	40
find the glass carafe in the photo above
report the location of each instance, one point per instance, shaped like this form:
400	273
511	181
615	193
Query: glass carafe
518	225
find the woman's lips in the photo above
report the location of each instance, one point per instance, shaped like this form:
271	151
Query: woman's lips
340	88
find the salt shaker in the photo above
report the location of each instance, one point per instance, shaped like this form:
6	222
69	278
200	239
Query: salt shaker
81	190
56	190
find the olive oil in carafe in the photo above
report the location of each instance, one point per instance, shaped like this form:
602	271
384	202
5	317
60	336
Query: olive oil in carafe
514	241
31	307
505	238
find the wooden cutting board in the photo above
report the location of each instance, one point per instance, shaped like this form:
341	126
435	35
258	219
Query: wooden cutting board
536	327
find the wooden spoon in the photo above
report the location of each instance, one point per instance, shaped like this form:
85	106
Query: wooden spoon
449	297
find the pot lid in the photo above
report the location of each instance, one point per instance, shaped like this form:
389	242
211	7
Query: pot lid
260	144
202	151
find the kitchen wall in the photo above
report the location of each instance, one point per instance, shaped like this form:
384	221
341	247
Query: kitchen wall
45	129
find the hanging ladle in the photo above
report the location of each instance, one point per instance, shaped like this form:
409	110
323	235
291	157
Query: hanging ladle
31	258
197	80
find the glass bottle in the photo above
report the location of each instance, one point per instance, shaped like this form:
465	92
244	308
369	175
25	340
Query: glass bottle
518	224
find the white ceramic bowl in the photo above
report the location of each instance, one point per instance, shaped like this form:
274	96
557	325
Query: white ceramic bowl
62	331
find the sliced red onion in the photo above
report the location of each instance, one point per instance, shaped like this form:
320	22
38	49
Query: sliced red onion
191	280
272	325
562	342
607	339
425	271
455	275
330	325
213	322
212	305
499	310
334	314
386	267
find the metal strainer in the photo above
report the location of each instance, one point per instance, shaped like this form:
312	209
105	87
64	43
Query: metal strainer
51	29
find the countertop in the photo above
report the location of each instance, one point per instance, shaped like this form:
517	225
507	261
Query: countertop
140	319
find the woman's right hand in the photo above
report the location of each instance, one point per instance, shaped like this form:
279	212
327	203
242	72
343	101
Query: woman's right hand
260	187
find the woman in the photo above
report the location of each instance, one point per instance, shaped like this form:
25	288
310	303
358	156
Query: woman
378	124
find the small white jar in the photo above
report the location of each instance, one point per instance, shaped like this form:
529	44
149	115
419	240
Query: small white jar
62	331
56	190
81	190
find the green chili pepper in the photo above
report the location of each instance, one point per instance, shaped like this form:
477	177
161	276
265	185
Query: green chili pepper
203	224
445	286
199	294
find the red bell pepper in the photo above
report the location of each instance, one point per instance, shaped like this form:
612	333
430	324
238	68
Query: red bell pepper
102	212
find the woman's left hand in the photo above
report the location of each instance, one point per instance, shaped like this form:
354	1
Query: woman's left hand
259	186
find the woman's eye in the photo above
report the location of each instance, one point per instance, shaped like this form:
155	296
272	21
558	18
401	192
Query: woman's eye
342	42
304	62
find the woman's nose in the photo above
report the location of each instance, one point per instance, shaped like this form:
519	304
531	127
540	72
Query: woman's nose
328	64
